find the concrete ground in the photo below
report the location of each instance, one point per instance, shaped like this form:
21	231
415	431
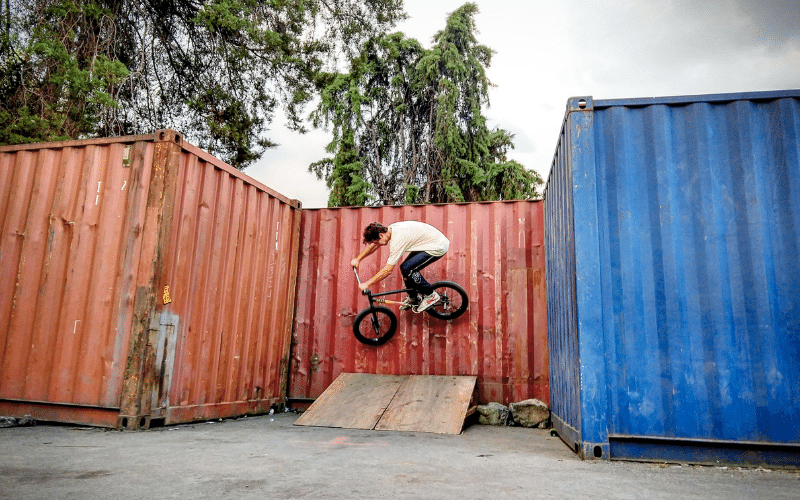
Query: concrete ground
268	457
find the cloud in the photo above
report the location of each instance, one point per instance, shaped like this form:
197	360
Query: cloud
774	24
546	52
285	168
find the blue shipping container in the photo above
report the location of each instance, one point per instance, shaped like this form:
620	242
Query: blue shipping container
672	232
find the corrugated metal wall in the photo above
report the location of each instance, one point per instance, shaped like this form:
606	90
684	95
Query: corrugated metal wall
64	279
496	254
231	271
687	229
561	305
141	278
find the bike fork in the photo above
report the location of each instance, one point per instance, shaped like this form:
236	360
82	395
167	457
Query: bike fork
375	325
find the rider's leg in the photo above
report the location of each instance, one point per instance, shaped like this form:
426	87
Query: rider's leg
410	269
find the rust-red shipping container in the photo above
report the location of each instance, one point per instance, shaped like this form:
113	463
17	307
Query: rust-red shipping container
496	253
141	279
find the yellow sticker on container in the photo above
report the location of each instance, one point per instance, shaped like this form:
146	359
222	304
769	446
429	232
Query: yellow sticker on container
167	298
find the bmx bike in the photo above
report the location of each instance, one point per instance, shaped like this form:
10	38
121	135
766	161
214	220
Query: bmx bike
375	325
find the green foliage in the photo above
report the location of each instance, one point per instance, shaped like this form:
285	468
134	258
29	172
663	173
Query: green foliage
52	87
411	121
365	108
345	180
215	69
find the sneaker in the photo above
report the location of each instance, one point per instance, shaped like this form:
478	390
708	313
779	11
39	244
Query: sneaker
411	301
428	301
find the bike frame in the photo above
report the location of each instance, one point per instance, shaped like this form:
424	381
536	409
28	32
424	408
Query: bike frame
372	296
384	321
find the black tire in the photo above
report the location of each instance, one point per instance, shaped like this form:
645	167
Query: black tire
453	303
375	326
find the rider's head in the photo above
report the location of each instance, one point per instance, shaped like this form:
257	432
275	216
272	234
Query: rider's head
373	232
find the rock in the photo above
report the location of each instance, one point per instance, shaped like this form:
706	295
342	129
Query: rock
530	413
25	421
492	414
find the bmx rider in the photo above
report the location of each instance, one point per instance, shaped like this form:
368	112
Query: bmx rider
425	245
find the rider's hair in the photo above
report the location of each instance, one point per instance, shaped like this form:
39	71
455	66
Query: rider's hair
373	232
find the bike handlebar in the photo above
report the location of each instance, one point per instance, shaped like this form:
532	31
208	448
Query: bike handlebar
363	292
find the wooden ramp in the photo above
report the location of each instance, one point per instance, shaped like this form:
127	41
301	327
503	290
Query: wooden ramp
421	403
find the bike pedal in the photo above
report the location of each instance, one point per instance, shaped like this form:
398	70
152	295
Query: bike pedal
409	304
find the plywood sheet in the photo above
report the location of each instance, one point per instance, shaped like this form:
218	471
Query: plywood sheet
353	401
421	403
428	403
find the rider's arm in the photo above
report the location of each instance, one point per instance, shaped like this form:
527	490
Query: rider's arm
383	273
371	248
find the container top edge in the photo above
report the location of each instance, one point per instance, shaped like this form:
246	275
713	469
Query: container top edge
72	143
592	104
165	135
528	200
688	99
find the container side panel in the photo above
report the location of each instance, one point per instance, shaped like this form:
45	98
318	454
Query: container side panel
9	244
496	253
92	231
109	198
231	285
239	384
63	241
562	330
302	335
588	277
18	273
700	216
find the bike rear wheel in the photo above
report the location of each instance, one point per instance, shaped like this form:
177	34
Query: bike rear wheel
453	302
375	325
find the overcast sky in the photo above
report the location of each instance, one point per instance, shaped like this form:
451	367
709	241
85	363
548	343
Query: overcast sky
547	52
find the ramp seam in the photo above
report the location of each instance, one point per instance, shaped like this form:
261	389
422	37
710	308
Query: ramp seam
389	404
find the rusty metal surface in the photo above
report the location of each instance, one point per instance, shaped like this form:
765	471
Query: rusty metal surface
65	279
139	275
231	274
496	254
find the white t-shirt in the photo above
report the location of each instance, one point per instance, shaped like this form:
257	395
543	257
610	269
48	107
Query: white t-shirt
413	236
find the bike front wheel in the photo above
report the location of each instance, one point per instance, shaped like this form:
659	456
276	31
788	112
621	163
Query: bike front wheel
453	302
375	325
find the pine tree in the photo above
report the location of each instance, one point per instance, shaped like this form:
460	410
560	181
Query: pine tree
410	124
